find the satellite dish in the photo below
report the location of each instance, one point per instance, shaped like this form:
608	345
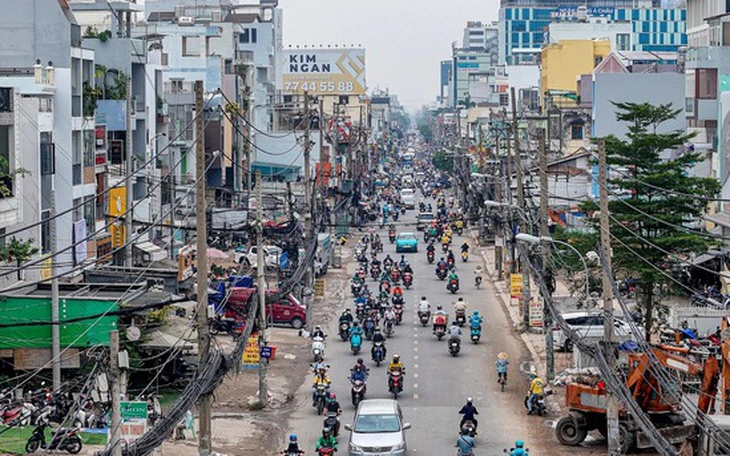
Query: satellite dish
133	333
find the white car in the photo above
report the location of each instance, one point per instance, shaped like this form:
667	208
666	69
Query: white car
249	258
590	324
408	195
378	429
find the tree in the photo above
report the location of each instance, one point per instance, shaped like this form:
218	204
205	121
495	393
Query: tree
443	160
648	248
18	251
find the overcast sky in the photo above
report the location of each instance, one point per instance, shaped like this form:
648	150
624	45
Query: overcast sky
405	39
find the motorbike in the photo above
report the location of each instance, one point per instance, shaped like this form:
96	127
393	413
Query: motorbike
445	247
391	237
369	327
18	415
478	281
395	216
407	280
63	439
430	255
388	330
385	286
344	330
470	428
440	331
292	453
358	392
395	276
355	343
378	353
375	272
453	286
333	422
450	263
318	348
441	273
85	416
514	452
398	308
356	288
320	398
459	230
360	311
220	324
475	333
424	317
395	383
538	404
397	300
460	317
326	451
454	347
464	256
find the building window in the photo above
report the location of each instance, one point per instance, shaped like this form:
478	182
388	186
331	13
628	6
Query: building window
191	46
89	148
6	99
45	232
6	161
623	41
77	157
576	132
45	104
48	154
248	35
706	83
503	99
596	60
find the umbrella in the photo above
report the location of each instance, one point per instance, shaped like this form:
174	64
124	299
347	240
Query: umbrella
216	254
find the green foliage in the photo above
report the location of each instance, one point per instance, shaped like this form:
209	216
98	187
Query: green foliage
443	160
639	155
118	89
91	95
18	251
92	32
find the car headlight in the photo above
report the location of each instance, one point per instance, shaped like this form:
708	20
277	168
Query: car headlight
400	446
354	447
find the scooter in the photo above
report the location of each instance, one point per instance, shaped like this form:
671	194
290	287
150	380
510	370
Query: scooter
424	317
538	404
356	288
478	281
517	451
358	392
398	309
441	273
326	451
407	280
461	317
369	327
391	237
453	286
219	324
464	256
470	428
344	330
333	422
355	343
318	348
63	439
395	383
320	398
454	346
440	331
430	256
475	333
378	353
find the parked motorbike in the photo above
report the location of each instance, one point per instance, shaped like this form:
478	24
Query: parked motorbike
219	324
63	439
454	347
318	348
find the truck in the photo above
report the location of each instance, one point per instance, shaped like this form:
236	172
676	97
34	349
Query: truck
323	254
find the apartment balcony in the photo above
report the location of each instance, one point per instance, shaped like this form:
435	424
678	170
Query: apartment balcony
708	57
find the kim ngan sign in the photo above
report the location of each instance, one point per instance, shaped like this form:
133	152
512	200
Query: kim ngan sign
324	72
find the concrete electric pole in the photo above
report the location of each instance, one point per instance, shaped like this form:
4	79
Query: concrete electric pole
114	390
261	285
55	313
309	275
129	216
544	231
204	403
614	444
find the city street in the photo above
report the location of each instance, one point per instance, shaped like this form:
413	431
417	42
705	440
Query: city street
437	384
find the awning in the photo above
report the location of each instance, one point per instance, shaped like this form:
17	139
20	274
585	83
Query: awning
704	258
155	253
157	339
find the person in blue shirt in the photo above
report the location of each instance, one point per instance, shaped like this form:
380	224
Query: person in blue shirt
468	410
465	443
475	321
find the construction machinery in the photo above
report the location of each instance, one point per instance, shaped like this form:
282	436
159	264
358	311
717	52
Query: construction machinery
587	403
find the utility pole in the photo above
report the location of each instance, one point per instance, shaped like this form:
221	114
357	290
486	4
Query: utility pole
309	275
614	446
114	391
521	204
129	216
261	284
544	231
204	403
55	313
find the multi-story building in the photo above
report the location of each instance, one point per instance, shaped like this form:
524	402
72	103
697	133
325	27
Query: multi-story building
445	76
592	28
45	32
563	63
481	36
522	24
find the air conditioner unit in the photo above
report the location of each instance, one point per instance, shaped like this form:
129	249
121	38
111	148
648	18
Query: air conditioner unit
216	16
186	21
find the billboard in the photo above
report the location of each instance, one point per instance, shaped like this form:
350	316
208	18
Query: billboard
324	72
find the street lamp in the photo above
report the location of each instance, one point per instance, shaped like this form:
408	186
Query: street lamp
530	239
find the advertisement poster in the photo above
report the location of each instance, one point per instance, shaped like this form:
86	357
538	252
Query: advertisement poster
515	286
251	353
324	72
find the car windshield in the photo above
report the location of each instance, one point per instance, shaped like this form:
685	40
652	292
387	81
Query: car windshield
375	424
426	216
407	237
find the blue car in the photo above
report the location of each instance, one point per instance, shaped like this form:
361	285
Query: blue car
406	242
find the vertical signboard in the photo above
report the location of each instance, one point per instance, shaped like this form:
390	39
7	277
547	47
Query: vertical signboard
117	207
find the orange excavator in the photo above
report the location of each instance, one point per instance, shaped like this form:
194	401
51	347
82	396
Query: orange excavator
587	403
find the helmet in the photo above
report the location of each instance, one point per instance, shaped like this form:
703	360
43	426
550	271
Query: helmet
439	307
476	312
377	330
317	328
464	431
461	298
356	323
469	400
292	437
396	358
333	396
423	298
360	361
519	444
326	432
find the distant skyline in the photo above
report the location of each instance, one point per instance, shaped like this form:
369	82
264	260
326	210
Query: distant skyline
405	39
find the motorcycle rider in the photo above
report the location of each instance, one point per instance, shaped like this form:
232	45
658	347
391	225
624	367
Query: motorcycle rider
402	263
397	291
469	410
326	441
475	321
346	317
389	314
388	262
424	306
430	248
293	447
439	313
460	304
356	329
333	406
537	388
450	258
359	371
317	332
441	264
321	377
519	449
455	332
407	269
465	247
465	443
396	366
378	337
453	276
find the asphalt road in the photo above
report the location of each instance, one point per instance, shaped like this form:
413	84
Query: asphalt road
437	384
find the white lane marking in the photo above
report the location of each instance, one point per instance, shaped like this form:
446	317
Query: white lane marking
415	375
415	357
415	366
415	349
415	396
415	342
415	385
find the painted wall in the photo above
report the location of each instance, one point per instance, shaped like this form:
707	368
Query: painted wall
563	62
